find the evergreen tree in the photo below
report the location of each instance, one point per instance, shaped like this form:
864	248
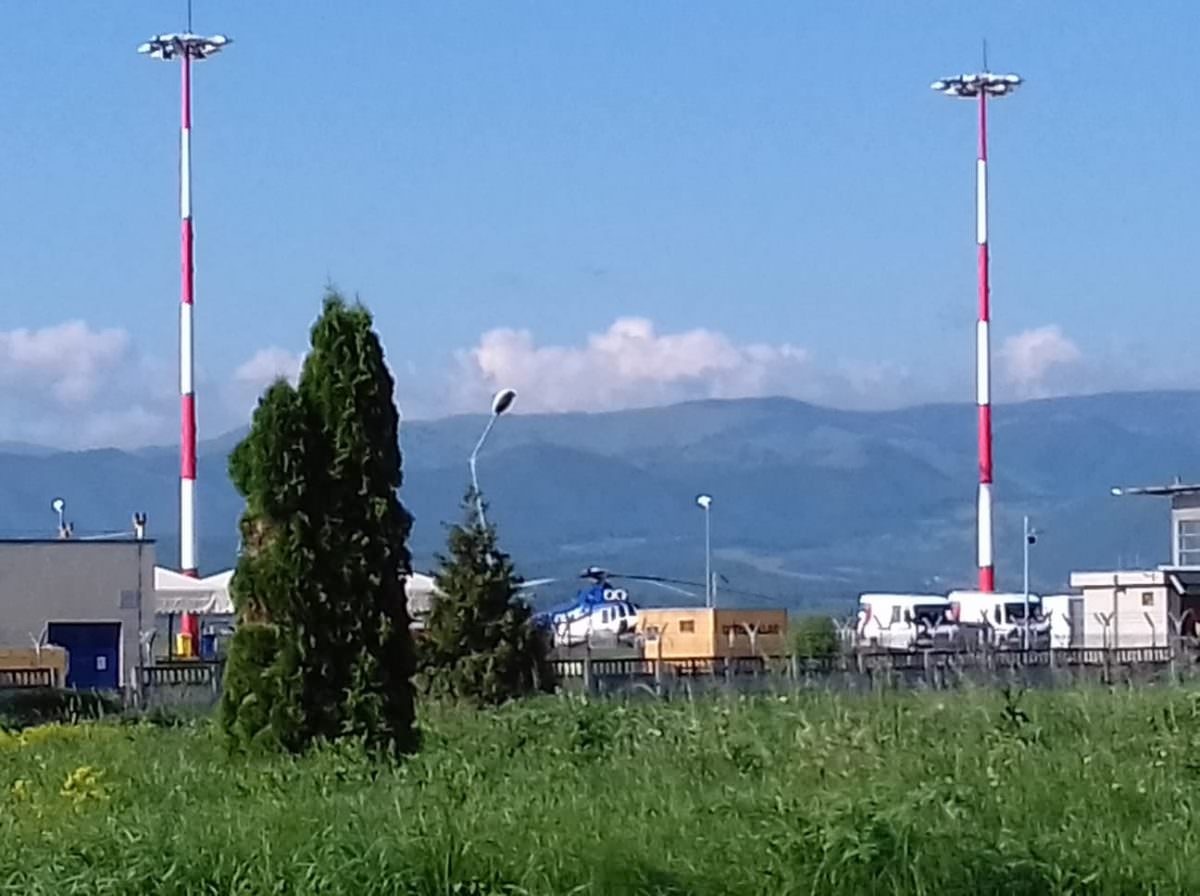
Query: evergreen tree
479	643
323	648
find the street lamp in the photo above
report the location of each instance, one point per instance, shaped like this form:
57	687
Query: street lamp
501	402
58	505
980	86
186	48
1029	538
705	501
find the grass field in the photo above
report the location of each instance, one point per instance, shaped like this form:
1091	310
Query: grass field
1076	792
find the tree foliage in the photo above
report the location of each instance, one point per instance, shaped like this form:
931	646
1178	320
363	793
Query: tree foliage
323	648
814	637
480	644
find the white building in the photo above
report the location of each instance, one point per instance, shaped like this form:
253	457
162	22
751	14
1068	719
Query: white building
1126	608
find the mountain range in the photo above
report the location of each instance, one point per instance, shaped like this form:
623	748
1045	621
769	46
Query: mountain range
811	505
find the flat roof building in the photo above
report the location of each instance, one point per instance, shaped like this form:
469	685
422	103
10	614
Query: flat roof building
92	598
700	633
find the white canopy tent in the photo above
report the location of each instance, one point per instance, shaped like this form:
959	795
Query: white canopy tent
176	593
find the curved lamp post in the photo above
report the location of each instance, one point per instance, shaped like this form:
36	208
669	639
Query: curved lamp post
501	402
705	502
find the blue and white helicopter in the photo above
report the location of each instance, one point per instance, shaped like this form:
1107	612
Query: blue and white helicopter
599	611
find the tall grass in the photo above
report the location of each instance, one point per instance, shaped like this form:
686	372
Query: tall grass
1079	792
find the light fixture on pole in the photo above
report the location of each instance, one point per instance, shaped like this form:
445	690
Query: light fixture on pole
705	501
186	47
501	402
59	506
979	87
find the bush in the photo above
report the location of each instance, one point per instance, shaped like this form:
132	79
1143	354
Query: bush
814	637
38	706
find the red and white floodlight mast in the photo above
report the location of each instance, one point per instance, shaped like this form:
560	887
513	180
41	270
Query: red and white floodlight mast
186	48
979	87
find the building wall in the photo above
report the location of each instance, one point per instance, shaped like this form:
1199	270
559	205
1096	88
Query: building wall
702	633
77	581
680	632
1185	530
732	639
1135	606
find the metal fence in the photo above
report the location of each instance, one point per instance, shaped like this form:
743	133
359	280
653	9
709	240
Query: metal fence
198	683
875	670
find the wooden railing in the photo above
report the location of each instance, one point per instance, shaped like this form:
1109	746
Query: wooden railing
39	677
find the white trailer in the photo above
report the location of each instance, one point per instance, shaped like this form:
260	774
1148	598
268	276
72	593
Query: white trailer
999	617
905	621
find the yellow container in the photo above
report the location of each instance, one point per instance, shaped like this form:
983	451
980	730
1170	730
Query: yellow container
183	645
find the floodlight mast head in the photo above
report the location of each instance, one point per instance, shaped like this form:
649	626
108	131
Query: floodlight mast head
972	85
171	46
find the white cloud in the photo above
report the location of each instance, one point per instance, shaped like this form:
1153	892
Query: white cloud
72	385
631	364
268	365
70	360
251	378
1040	362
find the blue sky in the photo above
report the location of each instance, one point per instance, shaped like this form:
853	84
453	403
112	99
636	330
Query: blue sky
769	191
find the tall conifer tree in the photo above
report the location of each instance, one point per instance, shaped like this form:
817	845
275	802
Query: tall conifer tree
323	649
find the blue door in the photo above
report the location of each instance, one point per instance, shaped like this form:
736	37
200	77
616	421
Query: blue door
92	650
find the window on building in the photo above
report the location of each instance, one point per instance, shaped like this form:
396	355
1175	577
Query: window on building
1147	598
687	626
895	614
1188	549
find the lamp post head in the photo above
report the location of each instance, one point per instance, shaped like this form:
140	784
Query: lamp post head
971	86
704	501
57	505
193	46
503	400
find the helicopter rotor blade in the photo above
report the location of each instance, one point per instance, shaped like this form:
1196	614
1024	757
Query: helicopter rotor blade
534	583
674	588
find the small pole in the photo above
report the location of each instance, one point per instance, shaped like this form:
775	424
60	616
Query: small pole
1027	535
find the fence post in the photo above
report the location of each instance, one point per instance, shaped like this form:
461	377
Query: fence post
587	670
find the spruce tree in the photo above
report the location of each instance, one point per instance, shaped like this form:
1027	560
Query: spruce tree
323	648
480	644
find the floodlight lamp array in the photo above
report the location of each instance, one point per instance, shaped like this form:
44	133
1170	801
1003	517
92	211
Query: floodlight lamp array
972	85
193	46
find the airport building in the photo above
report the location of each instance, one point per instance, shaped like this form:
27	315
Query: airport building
708	634
1147	608
78	604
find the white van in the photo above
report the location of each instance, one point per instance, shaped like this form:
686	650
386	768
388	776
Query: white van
1064	612
905	621
1000	616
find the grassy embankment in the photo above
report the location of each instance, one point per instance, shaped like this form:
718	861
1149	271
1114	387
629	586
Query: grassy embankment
957	793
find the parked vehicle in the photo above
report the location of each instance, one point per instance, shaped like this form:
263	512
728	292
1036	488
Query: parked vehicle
905	621
998	618
1064	612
